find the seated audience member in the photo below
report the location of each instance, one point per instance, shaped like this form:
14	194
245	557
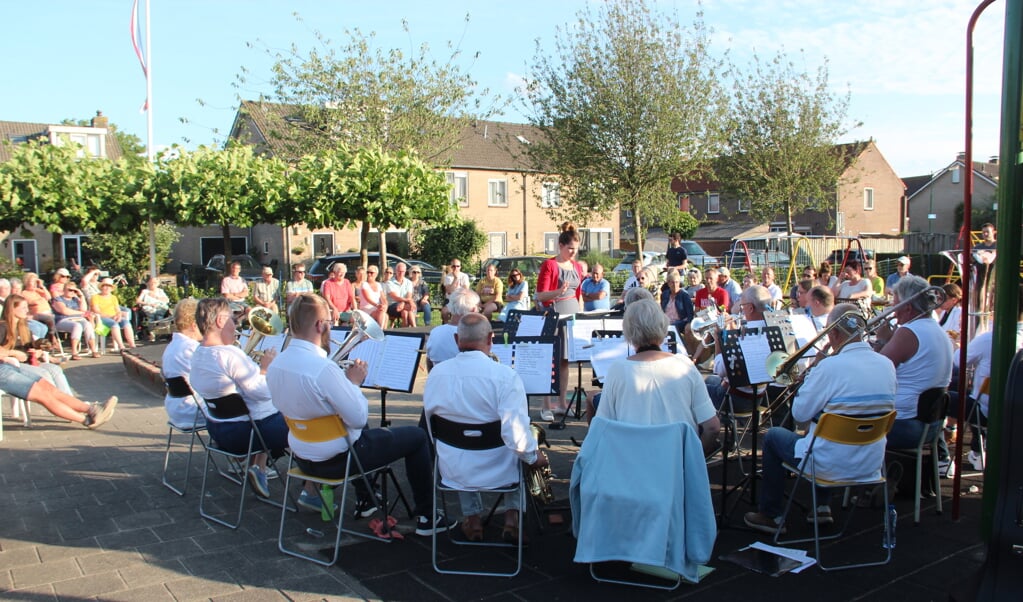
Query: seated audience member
60	277
471	388
653	386
809	273
633	280
596	290
835	385
694	282
235	290
298	284
441	345
901	270
421	294
38	298
154	302
517	297
949	315
337	291
105	305
732	287
73	317
266	292
490	288
183	412
306	385
676	304
876	282
32	387
372	298
89	283
16	344
824	277
711	295
922	355
454	278
775	290
220	368
5	290
401	303
853	287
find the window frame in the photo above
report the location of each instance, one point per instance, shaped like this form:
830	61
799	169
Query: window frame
491	182
713	200
452	178
868	198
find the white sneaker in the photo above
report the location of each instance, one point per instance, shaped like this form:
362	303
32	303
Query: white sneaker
547	415
946	469
976	460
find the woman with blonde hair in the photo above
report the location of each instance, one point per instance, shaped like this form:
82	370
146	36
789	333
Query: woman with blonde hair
16	343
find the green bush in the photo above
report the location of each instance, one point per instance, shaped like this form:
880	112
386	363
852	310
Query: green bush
463	239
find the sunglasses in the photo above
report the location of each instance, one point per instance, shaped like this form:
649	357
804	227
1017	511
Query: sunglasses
415	272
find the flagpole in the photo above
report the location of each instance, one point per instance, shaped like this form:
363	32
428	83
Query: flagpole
150	149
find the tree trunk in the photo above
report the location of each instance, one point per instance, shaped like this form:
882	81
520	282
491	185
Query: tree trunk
636	224
226	232
383	253
363	242
788	216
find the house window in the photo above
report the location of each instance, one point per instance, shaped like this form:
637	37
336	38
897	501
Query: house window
550	243
743	206
840	222
459	181
955	175
713	202
91	140
72	244
596	239
683	202
497	193
868	199
323	244
551	195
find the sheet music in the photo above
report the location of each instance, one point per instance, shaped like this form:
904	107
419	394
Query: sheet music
530	325
613	324
579	334
503	353
371	352
268	342
402	356
805	330
534	363
755	350
605	352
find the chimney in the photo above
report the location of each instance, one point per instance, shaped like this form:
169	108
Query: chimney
961	157
100	121
993	160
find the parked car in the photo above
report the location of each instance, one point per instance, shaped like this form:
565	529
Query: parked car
529	265
737	256
213	272
650	259
839	257
317	272
696	255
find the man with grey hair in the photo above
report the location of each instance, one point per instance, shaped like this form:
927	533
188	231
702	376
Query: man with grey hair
473	389
441	344
921	353
338	293
752	303
732	287
400	301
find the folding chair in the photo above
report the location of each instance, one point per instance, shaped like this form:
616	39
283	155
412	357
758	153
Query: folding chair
318	430
931	407
177	386
978	422
225	408
847	430
474	437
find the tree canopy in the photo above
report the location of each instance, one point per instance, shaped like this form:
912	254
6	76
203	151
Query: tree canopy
626	101
356	94
781	155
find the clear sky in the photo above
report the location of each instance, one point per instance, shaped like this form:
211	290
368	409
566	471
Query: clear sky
903	60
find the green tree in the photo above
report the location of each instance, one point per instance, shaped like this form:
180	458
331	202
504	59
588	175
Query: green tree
128	252
682	222
625	102
781	154
341	187
462	238
356	94
223	187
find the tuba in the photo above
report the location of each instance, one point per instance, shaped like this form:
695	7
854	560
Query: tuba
264	323
539	479
363	327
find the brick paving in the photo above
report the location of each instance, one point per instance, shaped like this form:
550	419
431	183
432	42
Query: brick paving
86	517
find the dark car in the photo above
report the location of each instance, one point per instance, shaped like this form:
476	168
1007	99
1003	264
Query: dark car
529	265
838	257
317	272
737	257
213	273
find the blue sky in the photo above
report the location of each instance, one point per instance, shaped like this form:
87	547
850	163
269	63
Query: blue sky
903	60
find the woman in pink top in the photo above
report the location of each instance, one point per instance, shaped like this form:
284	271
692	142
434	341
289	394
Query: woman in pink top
371	297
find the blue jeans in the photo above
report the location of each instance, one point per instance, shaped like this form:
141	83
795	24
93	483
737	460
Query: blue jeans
380	447
779	446
38	329
472	502
905	434
427	310
15	381
234	436
112	323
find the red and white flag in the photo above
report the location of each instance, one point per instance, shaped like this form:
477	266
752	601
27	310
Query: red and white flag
136	43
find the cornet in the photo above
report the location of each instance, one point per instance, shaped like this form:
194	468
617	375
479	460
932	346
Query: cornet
264	323
363	327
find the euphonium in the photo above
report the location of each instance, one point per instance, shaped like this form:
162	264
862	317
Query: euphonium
539	479
704	324
264	323
363	327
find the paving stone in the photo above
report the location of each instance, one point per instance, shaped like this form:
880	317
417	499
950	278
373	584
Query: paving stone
127	539
140	520
149	593
210	564
89	585
79	549
316	587
192	588
31	576
90	528
38	593
163	550
232	539
252	595
5	580
19	557
137	574
189	527
108	561
101	511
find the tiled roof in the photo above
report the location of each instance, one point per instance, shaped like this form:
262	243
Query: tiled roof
17	132
914	183
484	144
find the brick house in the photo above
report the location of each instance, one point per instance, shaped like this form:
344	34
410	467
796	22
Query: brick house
939	194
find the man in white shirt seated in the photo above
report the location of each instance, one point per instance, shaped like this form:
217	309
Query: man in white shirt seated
441	345
837	384
471	388
235	290
306	385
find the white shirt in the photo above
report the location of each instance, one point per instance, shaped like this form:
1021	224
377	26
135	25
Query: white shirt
440	345
847	288
856	382
177	361
403	289
775	291
462	281
225	369
306	384
663	391
474	389
930	366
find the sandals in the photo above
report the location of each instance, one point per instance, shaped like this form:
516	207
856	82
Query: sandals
94	354
472	532
75	357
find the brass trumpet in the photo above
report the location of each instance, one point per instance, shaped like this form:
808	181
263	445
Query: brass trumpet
264	323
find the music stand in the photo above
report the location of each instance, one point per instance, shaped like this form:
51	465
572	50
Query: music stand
739	375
